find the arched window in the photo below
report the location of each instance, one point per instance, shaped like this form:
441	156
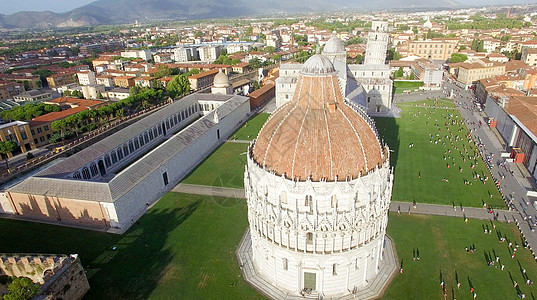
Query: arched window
125	150
85	173
93	169
333	201
131	147
309	238
146	137
285	264
283	198
107	161
76	175
136	144
114	156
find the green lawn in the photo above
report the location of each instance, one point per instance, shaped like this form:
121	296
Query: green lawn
183	248
441	242
421	171
250	130
401	86
224	167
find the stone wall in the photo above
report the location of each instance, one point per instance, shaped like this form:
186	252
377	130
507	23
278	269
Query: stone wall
68	283
60	276
33	267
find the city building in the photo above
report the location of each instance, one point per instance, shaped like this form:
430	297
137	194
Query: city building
33	96
209	52
86	77
124	81
515	119
93	91
431	74
185	54
202	79
114	181
144	54
106	80
9	89
469	72
60	79
20	133
41	128
529	56
435	49
318	186
117	93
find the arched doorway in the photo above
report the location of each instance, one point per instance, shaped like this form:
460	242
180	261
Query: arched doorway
102	169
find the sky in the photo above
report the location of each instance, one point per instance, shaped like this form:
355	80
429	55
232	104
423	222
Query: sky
8	7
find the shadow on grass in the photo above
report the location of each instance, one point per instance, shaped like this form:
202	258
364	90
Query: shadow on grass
139	260
389	132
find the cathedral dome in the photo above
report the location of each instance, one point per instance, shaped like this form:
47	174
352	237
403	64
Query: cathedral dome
334	45
316	135
318	65
221	80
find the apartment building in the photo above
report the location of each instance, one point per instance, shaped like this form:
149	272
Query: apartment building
436	49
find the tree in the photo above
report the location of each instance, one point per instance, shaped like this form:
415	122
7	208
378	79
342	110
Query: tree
6	148
276	57
458	57
77	94
462	47
478	45
398	73
255	63
270	49
22	288
162	71
100	96
255	85
179	85
393	54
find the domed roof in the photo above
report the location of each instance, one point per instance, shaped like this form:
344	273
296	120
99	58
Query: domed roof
316	135
334	45
318	65
221	80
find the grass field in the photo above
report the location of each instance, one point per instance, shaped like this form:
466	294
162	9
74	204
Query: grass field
250	130
224	167
183	248
433	157
441	242
401	86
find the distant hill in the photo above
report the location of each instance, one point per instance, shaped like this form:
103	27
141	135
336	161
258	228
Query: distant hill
103	12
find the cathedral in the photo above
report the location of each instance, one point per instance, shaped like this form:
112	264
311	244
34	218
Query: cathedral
318	185
367	85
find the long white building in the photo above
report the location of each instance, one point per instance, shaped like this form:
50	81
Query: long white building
113	182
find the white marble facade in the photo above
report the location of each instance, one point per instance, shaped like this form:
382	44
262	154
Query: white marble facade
320	237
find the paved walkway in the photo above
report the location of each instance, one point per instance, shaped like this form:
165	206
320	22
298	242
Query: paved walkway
515	184
404	207
239	141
